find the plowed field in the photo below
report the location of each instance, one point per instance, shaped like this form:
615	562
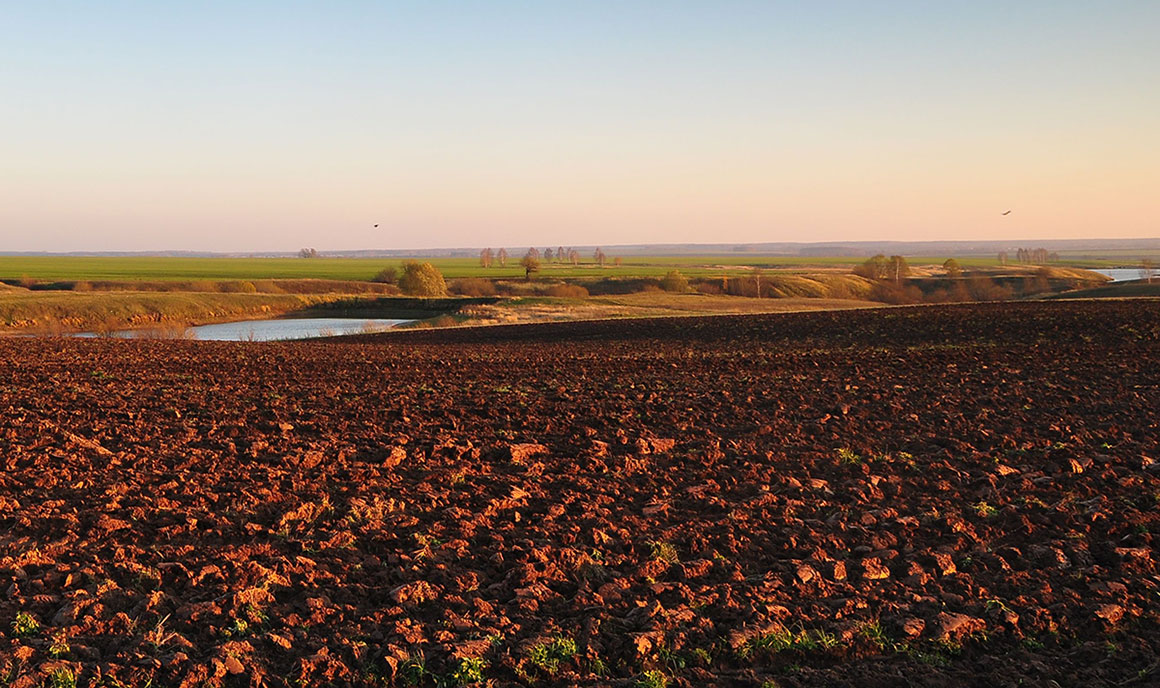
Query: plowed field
921	496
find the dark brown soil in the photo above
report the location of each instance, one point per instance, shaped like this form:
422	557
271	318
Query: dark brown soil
936	496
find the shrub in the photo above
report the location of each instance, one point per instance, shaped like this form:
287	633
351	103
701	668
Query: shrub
675	281
985	289
269	287
568	291
238	287
387	275
473	286
421	279
888	292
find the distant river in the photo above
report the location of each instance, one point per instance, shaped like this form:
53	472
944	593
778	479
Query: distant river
1121	274
275	330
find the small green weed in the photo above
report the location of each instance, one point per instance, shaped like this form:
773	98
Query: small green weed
547	657
62	677
413	670
785	639
598	667
255	614
59	647
652	679
664	551
25	625
469	671
701	656
239	629
848	456
675	661
874	633
1033	643
985	510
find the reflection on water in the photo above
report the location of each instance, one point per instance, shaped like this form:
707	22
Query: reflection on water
1121	274
274	330
291	328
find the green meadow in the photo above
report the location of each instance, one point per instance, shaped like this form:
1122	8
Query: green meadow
15	269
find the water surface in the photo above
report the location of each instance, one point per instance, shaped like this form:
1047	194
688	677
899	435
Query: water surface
1121	274
276	330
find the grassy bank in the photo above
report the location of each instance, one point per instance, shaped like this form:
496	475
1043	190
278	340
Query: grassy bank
26	311
640	305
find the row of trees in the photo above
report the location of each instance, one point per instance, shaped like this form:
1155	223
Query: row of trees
1030	256
894	268
489	258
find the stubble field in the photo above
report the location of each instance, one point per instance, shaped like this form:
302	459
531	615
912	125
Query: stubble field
957	495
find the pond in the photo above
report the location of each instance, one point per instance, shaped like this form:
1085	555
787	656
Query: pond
276	330
1121	274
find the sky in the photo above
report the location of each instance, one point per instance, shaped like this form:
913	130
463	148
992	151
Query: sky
260	126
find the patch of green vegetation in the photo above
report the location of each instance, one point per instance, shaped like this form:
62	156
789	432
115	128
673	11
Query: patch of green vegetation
25	625
652	679
784	639
848	456
240	628
672	659
62	677
664	551
59	647
468	671
547	657
876	635
1033	643
413	670
985	510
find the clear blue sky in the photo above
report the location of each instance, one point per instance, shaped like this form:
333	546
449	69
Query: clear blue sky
275	125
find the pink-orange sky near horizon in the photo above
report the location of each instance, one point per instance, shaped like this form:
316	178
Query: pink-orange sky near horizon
269	126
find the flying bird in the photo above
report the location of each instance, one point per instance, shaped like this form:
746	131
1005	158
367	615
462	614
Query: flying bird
1006	213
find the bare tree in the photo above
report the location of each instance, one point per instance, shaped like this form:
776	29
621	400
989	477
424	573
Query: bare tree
502	257
307	253
485	258
1147	270
899	268
599	257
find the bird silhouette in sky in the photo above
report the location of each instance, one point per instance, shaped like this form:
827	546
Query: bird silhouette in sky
1006	213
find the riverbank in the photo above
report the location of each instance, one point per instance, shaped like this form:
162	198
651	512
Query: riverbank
35	312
